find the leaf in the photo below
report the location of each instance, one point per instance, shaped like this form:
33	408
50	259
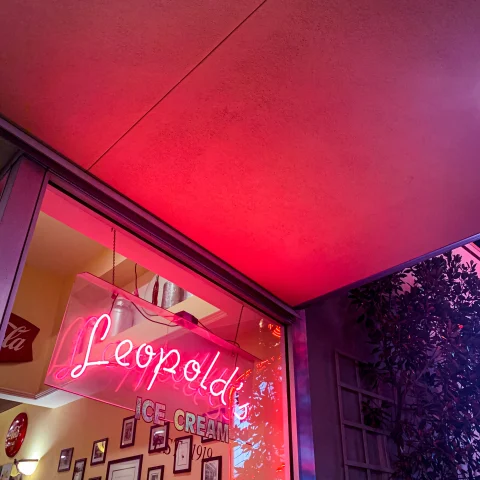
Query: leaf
361	318
425	342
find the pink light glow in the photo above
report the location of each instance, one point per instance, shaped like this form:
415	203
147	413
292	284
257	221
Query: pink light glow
80	369
144	356
244	407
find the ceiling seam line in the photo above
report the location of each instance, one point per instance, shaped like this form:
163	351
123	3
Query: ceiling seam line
216	47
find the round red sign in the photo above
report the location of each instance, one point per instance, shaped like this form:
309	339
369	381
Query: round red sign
16	434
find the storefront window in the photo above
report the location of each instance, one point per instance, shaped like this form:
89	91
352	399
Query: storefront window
103	324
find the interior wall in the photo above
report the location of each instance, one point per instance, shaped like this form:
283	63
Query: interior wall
78	425
331	327
41	300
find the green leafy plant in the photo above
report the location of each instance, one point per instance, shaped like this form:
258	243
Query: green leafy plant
424	327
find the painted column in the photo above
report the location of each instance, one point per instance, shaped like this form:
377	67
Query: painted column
304	451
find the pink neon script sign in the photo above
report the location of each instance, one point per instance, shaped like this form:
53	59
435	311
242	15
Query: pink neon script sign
192	369
116	357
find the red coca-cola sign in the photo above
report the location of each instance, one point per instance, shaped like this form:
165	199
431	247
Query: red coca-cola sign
16	434
18	342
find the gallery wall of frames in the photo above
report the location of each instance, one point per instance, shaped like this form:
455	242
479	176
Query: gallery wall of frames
89	440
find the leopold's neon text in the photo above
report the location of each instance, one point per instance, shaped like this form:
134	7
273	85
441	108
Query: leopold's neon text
163	361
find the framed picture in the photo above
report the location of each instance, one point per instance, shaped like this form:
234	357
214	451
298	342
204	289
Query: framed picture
79	469
129	428
207	439
125	468
212	414
155	473
212	468
183	454
65	460
99	451
158	438
5	471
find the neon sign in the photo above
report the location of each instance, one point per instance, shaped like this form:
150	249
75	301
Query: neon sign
171	361
191	369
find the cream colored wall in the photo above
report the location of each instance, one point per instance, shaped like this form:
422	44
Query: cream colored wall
77	425
41	300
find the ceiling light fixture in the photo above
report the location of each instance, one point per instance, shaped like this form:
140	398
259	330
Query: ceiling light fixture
26	466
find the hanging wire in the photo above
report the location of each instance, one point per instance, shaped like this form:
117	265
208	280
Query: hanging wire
236	334
136	282
238	325
114	250
233	342
145	315
142	311
148	316
204	326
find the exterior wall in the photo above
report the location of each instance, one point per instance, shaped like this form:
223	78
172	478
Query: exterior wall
78	425
330	327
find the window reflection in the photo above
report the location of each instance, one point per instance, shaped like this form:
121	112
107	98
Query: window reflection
260	446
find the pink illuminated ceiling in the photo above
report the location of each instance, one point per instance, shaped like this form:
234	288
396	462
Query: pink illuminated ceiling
320	143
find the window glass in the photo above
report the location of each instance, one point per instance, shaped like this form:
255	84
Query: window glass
79	268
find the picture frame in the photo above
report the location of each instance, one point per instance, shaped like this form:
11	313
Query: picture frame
79	469
209	414
132	464
129	428
207	439
156	473
182	460
5	471
99	452
212	468
65	460
158	440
